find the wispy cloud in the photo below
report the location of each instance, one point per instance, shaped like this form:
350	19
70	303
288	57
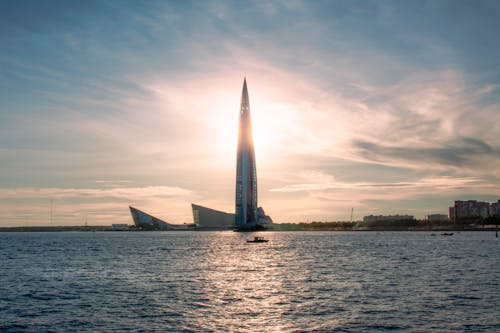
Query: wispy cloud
472	154
130	193
425	184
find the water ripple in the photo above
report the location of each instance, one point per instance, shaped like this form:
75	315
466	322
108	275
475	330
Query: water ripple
215	281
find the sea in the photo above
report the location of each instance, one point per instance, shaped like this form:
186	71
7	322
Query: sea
188	281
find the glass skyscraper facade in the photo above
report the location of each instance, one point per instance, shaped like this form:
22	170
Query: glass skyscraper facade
246	172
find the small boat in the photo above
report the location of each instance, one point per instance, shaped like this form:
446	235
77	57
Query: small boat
257	239
447	234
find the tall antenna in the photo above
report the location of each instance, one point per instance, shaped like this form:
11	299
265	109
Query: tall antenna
51	209
352	212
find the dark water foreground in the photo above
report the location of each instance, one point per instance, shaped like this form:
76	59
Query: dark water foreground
215	281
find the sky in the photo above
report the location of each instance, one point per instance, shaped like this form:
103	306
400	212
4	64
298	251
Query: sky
375	107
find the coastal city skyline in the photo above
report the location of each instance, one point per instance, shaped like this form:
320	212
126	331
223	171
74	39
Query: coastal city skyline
381	107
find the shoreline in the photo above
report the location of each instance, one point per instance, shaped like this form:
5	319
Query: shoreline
277	227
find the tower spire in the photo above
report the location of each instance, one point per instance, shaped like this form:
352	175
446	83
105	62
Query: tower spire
246	173
245	101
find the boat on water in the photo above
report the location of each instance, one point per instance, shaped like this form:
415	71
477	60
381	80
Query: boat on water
257	239
447	234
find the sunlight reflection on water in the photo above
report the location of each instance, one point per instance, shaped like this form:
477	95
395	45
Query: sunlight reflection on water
216	281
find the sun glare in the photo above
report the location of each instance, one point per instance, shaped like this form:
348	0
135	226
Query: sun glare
224	123
274	123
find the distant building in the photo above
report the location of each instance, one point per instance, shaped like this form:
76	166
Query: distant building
473	208
262	218
495	209
119	227
437	217
397	217
451	213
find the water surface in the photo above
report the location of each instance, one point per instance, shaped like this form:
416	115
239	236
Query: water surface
215	281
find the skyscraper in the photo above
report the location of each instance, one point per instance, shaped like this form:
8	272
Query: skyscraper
246	173
248	215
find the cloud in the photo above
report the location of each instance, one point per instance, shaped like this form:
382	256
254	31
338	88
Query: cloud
130	193
424	184
470	153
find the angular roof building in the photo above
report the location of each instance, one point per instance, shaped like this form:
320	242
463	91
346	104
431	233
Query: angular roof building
145	221
207	218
